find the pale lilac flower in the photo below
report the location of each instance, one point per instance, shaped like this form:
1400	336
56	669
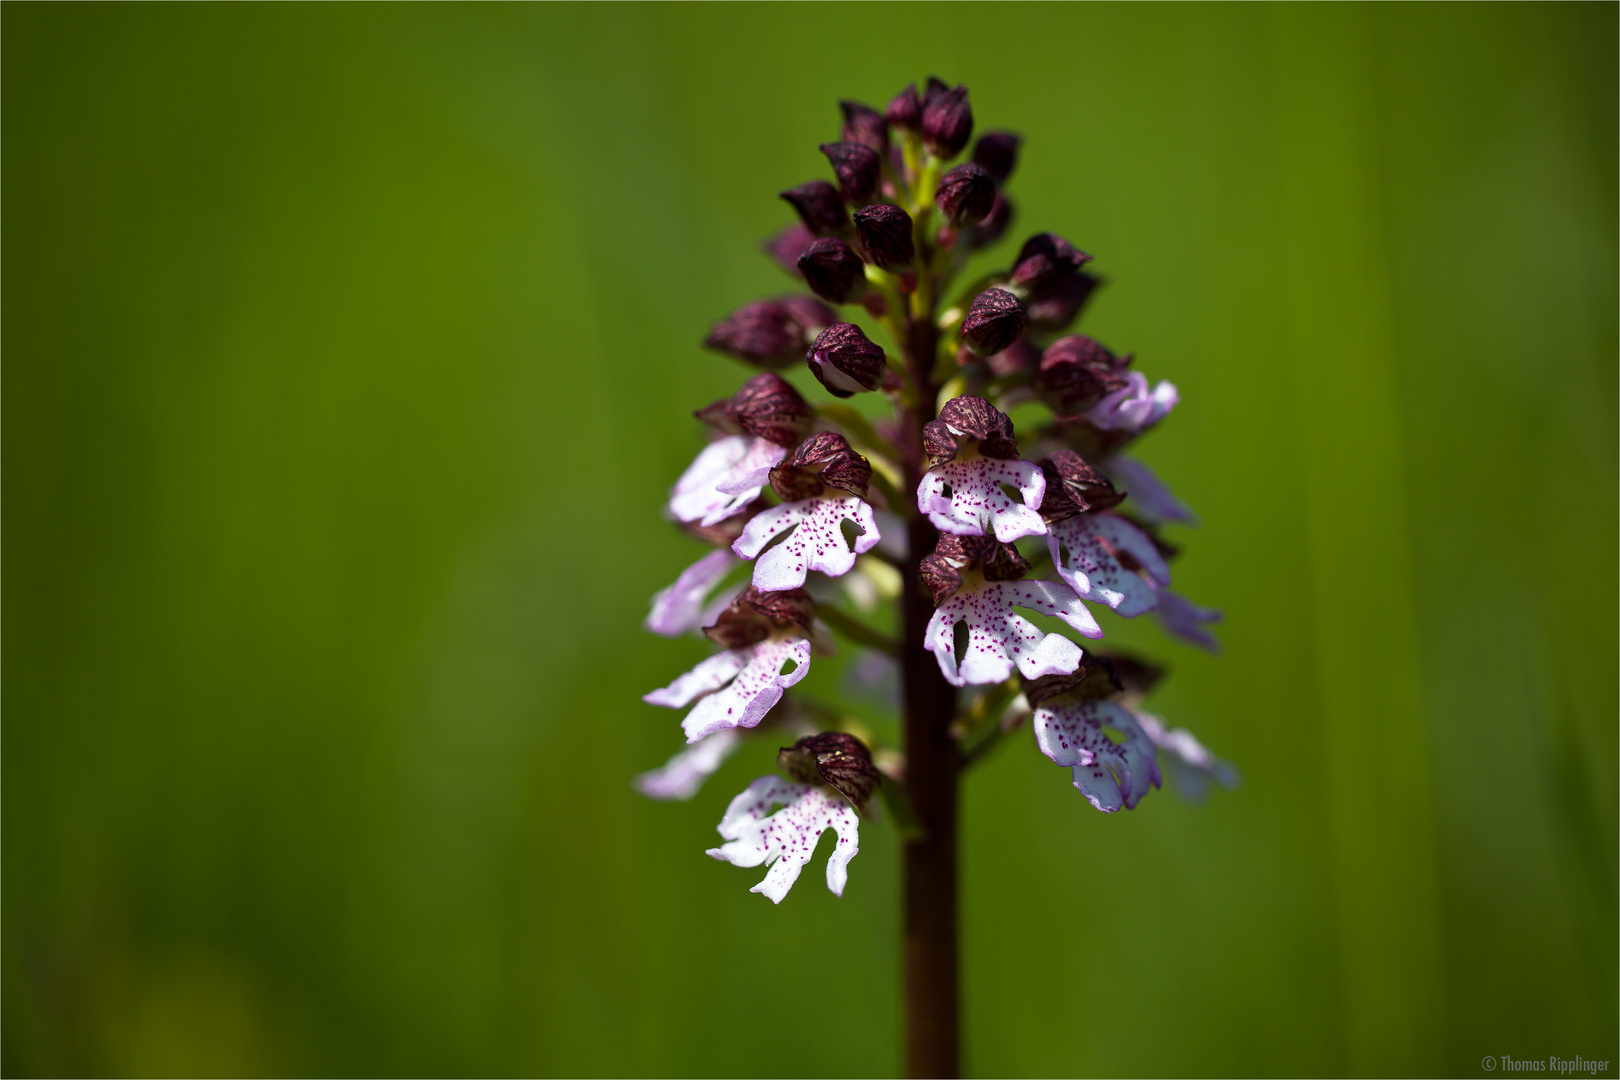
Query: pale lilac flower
1134	406
1109	774
680	777
1184	619
999	637
1191	766
735	688
965	498
686	605
726	476
785	840
1149	497
817	542
1084	548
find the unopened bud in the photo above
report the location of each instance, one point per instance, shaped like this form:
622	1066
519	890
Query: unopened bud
820	207
786	246
770	333
992	228
994	321
767	407
1044	261
1056	310
857	168
885	231
1074	486
947	121
965	194
836	759
905	111
833	271
1076	372
845	360
865	125
996	153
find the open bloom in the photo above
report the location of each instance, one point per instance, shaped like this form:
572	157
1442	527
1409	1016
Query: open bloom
686	604
1150	498
971	454
1072	722
785	840
825	483
1084	550
1134	406
680	777
726	476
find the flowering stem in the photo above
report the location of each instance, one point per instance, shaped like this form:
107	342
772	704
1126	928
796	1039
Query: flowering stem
929	877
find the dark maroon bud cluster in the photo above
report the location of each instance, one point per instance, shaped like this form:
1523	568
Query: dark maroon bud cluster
994	321
756	615
846	361
968	417
947	119
837	759
996	153
823	460
1076	372
1074	486
1044	262
833	271
865	125
771	333
885	232
857	167
820	207
965	194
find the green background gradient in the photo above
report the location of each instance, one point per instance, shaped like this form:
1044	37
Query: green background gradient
349	350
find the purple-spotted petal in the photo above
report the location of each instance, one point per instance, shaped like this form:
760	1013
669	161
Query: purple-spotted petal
757	687
998	638
680	777
1134	406
976	505
785	840
816	543
1109	774
1087	566
681	607
1186	620
1191	766
1149	496
726	476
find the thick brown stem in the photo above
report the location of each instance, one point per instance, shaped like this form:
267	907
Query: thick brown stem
932	999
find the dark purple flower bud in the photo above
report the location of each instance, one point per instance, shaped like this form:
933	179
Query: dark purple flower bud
905	111
1044	261
845	360
1074	486
1058	309
865	125
885	230
833	271
939	576
997	153
968	417
786	246
756	615
1076	373
836	759
994	321
820	207
823	460
965	195
1019	358
857	168
947	121
767	407
1095	678
770	333
993	226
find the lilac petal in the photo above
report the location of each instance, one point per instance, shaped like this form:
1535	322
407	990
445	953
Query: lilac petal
1149	496
817	542
999	638
976	505
707	677
680	777
1091	570
757	687
1110	775
1120	535
785	840
1191	766
1184	619
1134	406
680	607
726	476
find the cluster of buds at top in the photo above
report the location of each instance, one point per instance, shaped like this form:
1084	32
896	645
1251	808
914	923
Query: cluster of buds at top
801	500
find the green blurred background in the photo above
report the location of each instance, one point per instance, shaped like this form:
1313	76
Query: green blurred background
350	349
